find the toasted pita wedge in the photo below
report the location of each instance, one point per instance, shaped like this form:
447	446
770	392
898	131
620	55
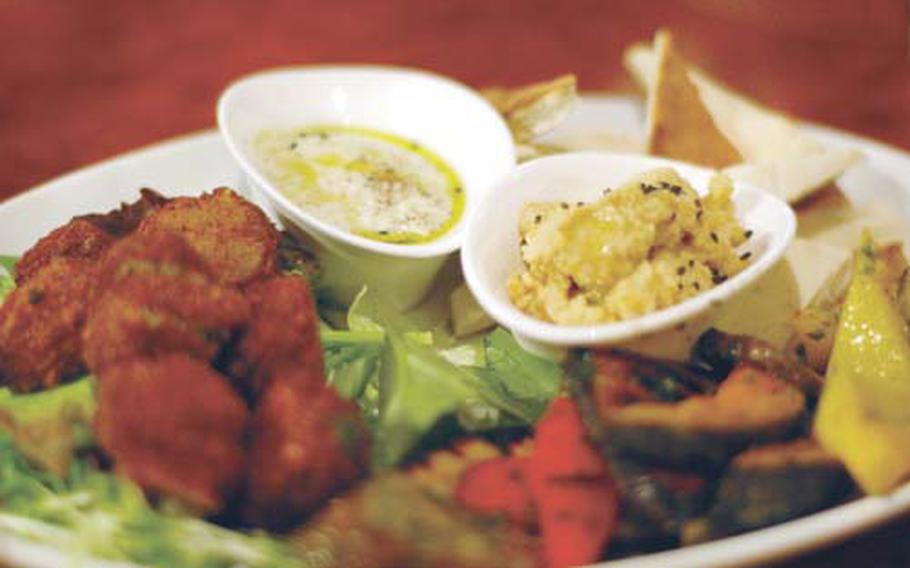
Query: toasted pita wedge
776	153
679	125
534	110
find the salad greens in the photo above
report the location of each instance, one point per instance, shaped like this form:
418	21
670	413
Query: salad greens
405	384
7	272
89	513
49	426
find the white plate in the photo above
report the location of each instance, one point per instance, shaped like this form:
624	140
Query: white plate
199	162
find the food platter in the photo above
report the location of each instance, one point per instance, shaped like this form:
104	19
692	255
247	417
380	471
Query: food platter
199	162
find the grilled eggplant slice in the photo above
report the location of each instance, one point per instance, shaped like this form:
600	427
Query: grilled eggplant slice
700	432
656	502
721	352
771	484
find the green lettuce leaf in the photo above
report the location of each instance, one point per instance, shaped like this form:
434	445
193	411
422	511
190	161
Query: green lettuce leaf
89	513
7	274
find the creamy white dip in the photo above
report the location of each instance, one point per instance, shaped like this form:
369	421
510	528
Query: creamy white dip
368	182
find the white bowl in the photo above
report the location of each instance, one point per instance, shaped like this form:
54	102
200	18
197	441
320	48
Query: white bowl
444	116
491	255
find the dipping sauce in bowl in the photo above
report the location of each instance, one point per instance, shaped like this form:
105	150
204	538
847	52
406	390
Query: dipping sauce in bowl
369	182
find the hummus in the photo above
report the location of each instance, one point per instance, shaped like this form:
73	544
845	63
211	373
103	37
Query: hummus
642	247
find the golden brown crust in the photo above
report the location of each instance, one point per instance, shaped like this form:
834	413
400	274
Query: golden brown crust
680	125
175	427
307	444
233	236
77	239
40	323
284	330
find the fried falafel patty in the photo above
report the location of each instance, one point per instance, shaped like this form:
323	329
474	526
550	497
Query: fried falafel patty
307	444
284	329
232	235
175	427
77	239
40	323
159	298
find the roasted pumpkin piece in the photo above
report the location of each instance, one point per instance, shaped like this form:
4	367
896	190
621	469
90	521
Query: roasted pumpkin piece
771	484
703	432
613	378
722	352
863	414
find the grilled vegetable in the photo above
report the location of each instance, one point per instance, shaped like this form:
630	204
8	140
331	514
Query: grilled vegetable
499	486
391	522
863	415
814	326
575	494
657	501
722	352
771	484
699	432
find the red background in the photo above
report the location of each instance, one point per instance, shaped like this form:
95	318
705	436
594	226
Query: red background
85	79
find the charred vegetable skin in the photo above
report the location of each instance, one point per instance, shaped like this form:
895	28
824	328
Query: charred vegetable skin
700	432
769	485
722	352
391	522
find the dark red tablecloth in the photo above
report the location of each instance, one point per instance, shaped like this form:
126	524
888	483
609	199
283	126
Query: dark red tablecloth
85	79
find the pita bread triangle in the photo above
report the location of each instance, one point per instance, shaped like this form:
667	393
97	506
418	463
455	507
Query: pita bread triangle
679	124
777	154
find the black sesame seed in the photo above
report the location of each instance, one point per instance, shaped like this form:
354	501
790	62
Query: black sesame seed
745	256
698	215
538	219
35	296
564	205
748	234
696	285
681	270
714	236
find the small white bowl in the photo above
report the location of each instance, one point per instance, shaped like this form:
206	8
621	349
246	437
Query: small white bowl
491	255
444	116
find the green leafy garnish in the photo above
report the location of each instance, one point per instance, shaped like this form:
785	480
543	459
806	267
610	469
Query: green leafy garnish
91	514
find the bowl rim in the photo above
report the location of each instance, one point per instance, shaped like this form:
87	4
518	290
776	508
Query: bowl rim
548	333
447	243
